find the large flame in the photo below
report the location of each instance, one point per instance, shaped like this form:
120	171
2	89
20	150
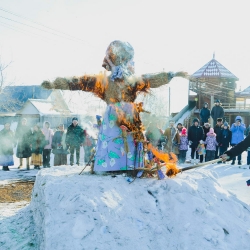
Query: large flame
169	158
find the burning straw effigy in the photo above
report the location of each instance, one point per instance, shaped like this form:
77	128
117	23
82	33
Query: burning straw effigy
120	140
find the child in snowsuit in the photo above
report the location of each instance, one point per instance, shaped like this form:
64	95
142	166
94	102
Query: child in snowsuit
201	150
183	147
211	145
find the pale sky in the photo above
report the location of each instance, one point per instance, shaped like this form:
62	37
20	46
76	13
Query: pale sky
170	35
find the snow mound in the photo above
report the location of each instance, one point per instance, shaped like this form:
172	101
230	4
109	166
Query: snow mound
190	211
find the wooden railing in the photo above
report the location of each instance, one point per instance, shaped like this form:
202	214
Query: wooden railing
236	106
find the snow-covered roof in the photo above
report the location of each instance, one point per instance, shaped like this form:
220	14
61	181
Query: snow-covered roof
41	107
80	102
213	69
244	93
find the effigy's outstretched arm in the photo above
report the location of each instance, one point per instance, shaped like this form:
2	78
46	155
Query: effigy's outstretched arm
89	83
156	80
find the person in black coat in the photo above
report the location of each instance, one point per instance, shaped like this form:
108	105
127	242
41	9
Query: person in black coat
236	150
217	111
218	130
75	139
206	128
195	134
204	114
225	138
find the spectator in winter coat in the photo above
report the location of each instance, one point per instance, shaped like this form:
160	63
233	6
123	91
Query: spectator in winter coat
218	130
236	150
59	146
23	137
247	131
183	147
225	138
7	141
195	134
237	129
172	138
217	111
206	128
37	145
180	127
204	114
75	140
211	145
48	132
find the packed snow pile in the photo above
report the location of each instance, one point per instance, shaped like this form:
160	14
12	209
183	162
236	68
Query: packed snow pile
190	211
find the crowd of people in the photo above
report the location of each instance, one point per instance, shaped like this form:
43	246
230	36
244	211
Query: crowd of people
206	142
35	145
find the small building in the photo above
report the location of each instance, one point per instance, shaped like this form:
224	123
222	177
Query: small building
213	79
12	99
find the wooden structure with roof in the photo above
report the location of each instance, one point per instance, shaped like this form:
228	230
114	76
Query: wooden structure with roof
213	79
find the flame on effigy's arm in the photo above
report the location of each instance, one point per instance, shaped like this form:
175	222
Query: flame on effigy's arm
169	158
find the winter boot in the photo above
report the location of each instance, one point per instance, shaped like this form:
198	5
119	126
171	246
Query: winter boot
28	163
6	168
233	162
239	162
21	163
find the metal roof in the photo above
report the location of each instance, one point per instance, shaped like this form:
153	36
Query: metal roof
244	93
213	69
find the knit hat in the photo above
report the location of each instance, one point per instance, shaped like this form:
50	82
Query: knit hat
226	124
206	124
184	131
218	101
238	118
211	132
74	119
196	120
219	119
201	142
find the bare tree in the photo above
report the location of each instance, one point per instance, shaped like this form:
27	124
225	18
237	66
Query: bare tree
3	74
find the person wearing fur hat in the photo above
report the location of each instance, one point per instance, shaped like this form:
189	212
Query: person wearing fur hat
237	129
183	147
119	90
217	111
211	145
195	134
205	113
218	130
225	138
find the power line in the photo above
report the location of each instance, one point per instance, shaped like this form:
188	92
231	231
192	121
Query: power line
47	27
24	31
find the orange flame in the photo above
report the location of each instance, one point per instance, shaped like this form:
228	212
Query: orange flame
169	158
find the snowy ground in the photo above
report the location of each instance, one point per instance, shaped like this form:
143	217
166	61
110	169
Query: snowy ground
205	208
